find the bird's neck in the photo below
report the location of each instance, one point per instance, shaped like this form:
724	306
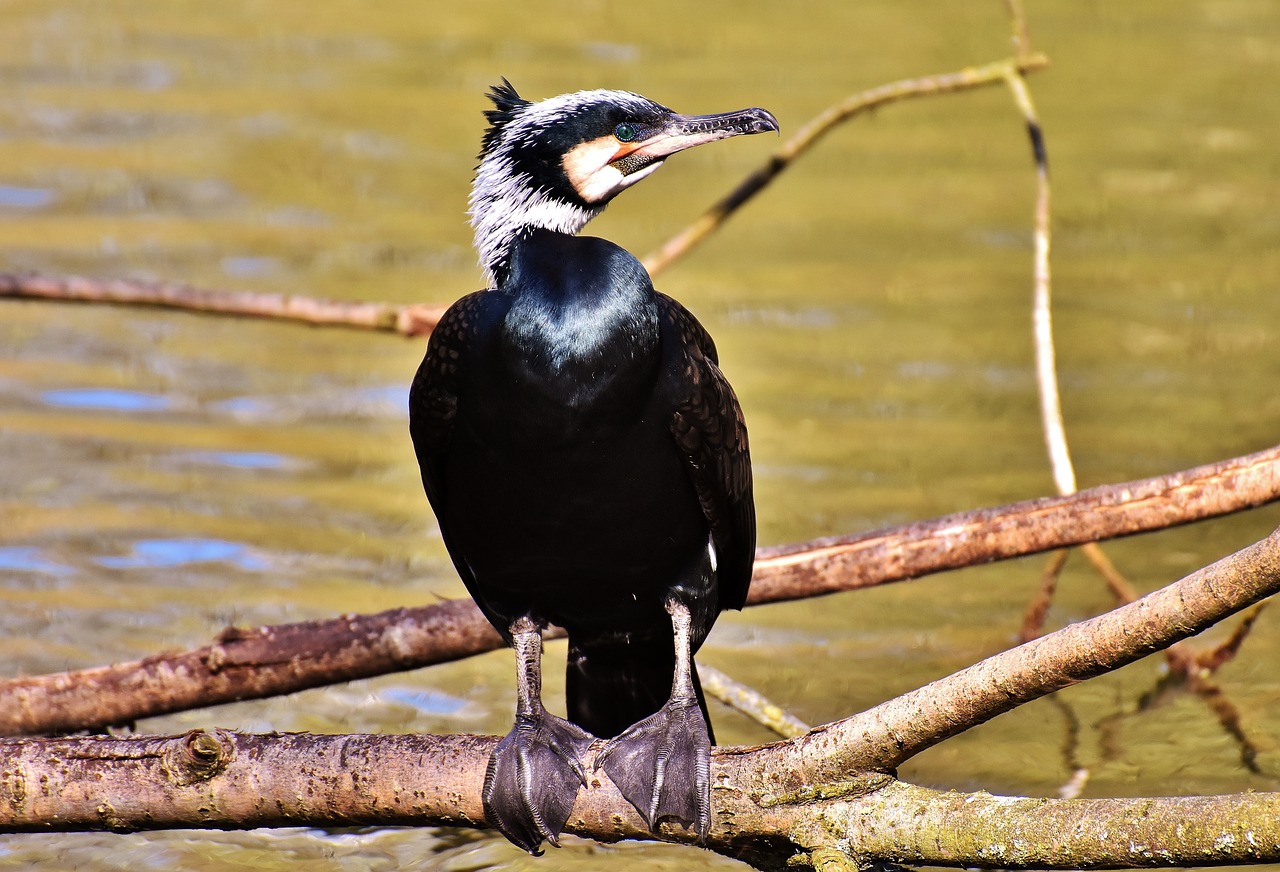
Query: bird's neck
507	208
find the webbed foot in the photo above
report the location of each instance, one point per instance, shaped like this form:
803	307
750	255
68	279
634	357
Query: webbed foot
533	777
662	766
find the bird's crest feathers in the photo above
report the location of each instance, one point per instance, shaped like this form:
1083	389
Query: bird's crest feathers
507	105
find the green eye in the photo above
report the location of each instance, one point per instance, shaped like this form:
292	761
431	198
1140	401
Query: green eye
625	132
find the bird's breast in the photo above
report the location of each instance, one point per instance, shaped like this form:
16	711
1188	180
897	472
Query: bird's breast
587	360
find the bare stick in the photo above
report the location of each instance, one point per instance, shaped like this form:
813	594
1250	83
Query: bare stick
1038	608
967	538
809	135
251	664
1055	434
407	320
1021	32
750	702
246	664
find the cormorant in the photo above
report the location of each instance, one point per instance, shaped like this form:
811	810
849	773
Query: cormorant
587	461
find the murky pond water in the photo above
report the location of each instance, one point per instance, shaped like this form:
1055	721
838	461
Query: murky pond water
164	474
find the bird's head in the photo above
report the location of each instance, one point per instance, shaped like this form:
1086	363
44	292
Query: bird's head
556	163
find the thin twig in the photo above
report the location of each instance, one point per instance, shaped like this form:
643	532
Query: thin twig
809	135
405	319
1184	664
1021	31
750	702
1055	434
1038	608
1119	586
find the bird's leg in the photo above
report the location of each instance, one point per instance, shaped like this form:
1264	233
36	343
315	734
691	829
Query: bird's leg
662	765
536	770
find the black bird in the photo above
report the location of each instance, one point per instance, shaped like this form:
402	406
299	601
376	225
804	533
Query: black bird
587	461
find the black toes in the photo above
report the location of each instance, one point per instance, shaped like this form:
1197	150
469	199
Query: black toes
662	766
532	780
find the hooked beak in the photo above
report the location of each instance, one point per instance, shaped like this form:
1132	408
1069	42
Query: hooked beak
679	132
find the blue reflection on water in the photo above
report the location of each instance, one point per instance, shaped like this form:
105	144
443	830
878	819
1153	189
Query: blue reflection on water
392	396
18	197
247	266
249	407
169	553
111	399
431	702
28	559
242	459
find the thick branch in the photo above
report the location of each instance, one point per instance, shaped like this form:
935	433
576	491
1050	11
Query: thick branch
250	664
232	781
820	793
968	538
408	320
246	664
985	831
225	780
1004	681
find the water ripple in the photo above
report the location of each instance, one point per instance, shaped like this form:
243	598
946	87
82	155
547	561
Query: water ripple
18	197
171	553
28	559
109	399
242	459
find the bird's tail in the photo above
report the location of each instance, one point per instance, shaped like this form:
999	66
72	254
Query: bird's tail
612	685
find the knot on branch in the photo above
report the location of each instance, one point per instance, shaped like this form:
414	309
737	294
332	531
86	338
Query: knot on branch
198	756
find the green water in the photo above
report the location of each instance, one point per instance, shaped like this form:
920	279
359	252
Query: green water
163	474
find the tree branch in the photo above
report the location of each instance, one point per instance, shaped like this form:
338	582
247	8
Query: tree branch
1004	681
985	831
246	664
1030	527
809	135
251	664
825	794
407	320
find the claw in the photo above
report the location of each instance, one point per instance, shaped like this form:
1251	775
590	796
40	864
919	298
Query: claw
533	778
662	766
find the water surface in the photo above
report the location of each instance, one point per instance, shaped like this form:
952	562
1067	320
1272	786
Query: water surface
167	474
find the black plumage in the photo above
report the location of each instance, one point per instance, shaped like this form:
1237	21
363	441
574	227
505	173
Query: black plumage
587	461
